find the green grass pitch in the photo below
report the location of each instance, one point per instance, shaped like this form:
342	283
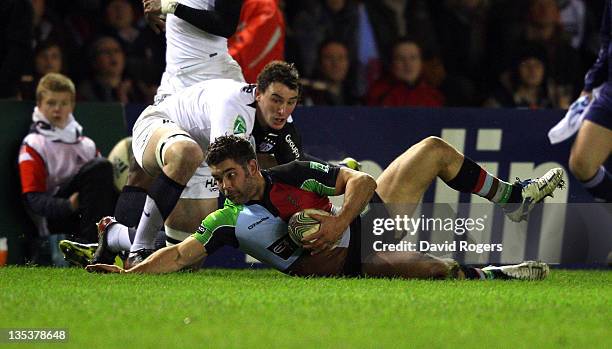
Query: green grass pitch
266	309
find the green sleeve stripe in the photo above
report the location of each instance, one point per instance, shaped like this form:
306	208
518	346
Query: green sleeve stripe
317	187
225	217
506	194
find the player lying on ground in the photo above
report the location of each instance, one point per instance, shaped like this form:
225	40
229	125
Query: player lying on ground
170	141
261	201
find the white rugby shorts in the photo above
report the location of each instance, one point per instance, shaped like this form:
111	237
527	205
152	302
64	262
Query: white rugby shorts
201	185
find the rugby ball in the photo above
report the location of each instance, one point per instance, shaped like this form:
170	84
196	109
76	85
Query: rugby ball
120	157
301	225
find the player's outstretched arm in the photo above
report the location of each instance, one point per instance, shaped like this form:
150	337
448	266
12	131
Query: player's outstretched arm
173	258
167	260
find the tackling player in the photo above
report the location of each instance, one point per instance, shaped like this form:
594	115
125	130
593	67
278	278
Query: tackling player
169	143
260	202
196	38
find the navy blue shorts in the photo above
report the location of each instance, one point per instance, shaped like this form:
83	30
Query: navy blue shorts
600	111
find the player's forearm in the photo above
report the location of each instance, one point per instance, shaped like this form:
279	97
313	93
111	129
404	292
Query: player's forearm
166	260
359	190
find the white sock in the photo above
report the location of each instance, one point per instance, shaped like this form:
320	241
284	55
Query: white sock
150	223
175	234
118	238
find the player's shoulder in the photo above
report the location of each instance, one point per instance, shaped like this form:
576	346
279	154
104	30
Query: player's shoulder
295	167
225	216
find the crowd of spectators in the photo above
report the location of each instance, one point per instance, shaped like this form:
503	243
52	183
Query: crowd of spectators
495	53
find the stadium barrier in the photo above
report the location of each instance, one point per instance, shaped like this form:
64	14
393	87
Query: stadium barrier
102	122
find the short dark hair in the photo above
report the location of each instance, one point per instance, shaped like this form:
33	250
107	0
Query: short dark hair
279	71
230	147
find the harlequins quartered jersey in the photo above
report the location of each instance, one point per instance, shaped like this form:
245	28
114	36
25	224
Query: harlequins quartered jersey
259	228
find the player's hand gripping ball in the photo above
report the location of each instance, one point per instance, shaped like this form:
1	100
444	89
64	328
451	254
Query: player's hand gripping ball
301	225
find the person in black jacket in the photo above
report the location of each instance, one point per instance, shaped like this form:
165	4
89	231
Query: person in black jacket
15	44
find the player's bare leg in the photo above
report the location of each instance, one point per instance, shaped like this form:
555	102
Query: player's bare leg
416	265
172	157
407	265
186	217
591	149
408	176
180	160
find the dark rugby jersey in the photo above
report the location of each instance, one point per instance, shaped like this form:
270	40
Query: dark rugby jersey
285	144
259	228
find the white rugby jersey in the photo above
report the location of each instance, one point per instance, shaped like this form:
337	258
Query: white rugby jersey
211	108
186	44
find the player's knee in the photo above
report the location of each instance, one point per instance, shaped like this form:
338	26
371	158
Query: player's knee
434	144
184	154
377	264
436	269
581	167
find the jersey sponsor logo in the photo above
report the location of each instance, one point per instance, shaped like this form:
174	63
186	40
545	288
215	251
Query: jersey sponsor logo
265	147
249	88
283	247
319	167
294	149
257	223
210	183
239	125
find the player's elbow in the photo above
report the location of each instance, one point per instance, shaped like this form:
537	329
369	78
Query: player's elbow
366	181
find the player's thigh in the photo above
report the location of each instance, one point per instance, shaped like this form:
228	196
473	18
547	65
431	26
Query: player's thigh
592	147
410	174
159	136
137	177
150	129
189	213
407	265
